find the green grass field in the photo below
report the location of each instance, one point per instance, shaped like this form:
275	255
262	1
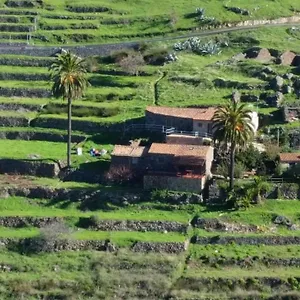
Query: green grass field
114	97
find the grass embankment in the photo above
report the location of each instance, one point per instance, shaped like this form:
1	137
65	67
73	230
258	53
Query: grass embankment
133	20
75	275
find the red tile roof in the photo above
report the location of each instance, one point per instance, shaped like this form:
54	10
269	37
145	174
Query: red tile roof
198	114
290	157
120	150
179	150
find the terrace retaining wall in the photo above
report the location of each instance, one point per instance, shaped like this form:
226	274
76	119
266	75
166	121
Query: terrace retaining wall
28	167
80	50
29	221
39	136
30	244
130	225
172	247
247	240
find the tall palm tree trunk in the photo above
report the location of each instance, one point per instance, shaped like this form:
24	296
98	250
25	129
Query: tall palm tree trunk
232	163
69	133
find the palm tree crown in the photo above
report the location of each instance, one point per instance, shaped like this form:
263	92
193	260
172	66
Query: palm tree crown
232	125
68	75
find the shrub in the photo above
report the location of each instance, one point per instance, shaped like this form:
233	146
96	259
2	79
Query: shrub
132	63
119	175
198	46
250	157
156	57
45	242
158	195
223	169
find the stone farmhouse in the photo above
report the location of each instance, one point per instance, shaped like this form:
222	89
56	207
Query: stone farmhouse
289	159
167	166
196	120
183	119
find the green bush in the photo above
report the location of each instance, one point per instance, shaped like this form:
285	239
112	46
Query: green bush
156	56
223	169
158	195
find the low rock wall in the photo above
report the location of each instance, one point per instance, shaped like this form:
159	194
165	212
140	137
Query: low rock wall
27	167
244	240
129	225
13	121
28	221
28	245
243	283
79	50
25	92
214	224
172	248
39	136
251	261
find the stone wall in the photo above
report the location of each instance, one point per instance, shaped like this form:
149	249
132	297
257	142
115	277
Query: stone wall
10	121
29	221
193	185
214	224
172	248
82	125
27	167
244	240
32	245
25	92
39	136
96	196
79	50
129	225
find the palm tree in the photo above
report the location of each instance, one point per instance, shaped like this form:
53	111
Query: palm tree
68	74
258	188
232	126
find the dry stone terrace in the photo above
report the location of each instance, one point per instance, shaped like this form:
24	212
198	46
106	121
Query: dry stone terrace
62	238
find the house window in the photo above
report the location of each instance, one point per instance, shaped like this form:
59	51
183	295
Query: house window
200	125
135	160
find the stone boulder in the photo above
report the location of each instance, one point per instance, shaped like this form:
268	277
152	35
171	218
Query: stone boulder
288	76
287	89
277	83
282	220
286	58
249	98
261	54
275	100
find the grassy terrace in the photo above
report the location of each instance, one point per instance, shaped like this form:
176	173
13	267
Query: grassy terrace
21	149
96	274
122	21
242	251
